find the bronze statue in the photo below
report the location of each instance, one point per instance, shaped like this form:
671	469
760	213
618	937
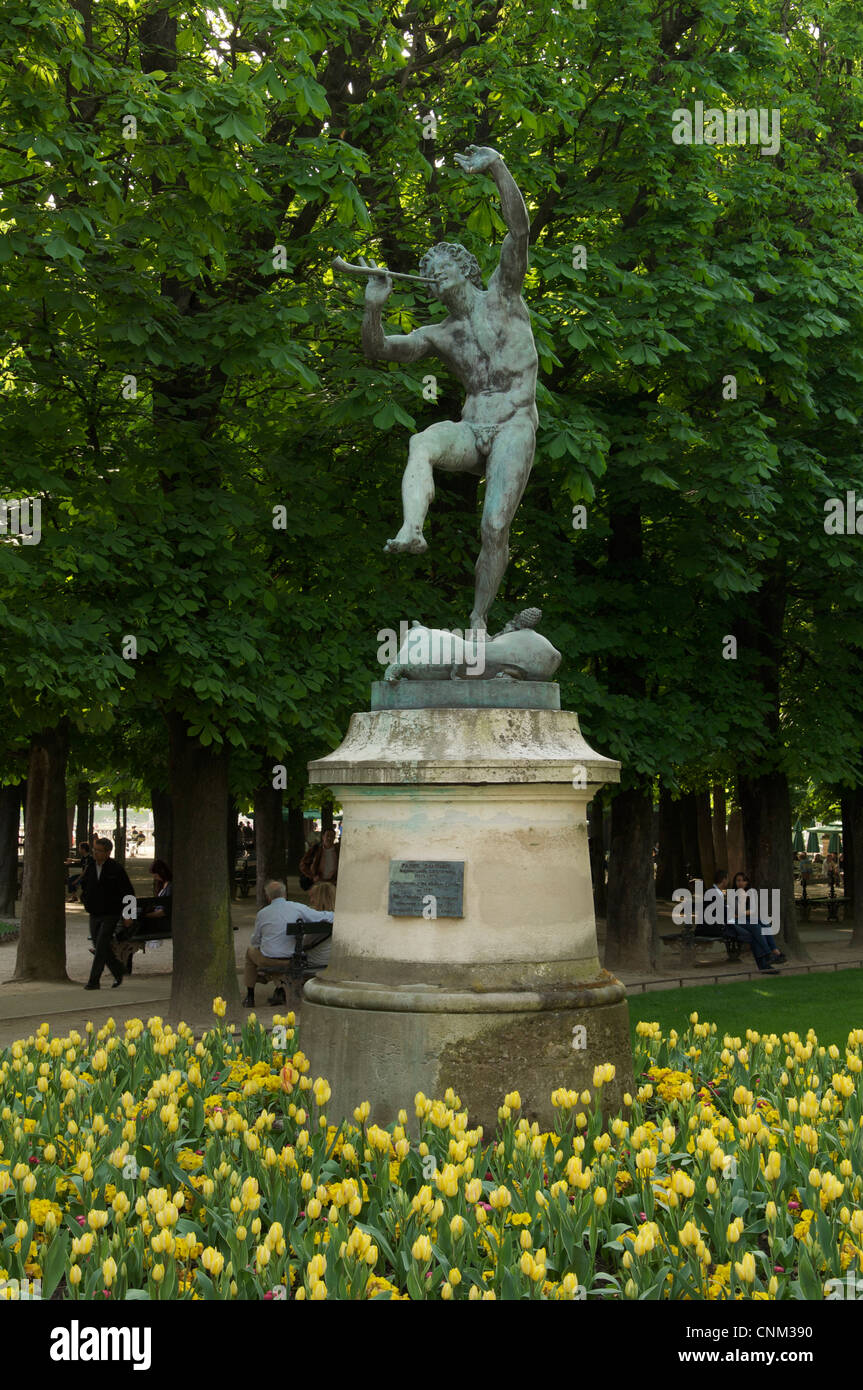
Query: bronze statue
487	342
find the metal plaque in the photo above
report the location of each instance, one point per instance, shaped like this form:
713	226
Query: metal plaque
429	888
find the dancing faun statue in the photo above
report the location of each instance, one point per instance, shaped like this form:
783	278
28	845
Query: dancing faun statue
487	342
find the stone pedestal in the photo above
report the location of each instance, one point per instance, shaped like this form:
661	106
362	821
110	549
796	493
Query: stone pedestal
511	994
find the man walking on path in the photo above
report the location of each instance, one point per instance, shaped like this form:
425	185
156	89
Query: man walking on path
104	887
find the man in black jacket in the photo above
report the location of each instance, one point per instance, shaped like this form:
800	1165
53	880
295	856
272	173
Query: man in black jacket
104	887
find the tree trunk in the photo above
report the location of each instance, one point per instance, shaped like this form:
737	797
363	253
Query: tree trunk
163	826
91	823
852	854
70	826
631	938
596	849
204	964
766	807
120	830
689	835
326	816
736	862
82	812
269	838
669	865
720	837
42	939
847	879
705	837
295	839
232	842
10	811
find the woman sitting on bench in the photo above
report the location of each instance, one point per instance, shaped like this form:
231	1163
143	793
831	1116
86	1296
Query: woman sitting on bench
162	888
152	918
273	944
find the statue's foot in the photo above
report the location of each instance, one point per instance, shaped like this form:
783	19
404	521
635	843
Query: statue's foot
477	623
409	541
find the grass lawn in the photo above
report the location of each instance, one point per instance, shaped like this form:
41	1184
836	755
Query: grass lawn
831	1003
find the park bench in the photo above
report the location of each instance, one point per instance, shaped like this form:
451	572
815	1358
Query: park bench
689	940
833	902
291	978
143	931
835	907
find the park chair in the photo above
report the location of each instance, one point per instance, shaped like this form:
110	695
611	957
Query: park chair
245	875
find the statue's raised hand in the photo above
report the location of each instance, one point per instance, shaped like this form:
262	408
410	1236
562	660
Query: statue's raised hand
477	159
378	287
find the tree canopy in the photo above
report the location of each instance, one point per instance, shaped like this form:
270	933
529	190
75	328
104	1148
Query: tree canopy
218	466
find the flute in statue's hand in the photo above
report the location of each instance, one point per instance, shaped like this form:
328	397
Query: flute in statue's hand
378	274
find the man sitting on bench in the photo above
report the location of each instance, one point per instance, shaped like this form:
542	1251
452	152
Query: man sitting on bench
713	908
272	945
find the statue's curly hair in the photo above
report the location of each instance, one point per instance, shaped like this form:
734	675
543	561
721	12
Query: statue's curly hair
462	257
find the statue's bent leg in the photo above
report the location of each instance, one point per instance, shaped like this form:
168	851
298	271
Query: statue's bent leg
448	445
507	471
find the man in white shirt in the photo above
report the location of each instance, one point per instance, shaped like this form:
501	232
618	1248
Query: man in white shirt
273	943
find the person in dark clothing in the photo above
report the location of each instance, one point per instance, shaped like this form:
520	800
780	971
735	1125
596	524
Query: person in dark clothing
162	889
321	863
714	908
104	887
74	880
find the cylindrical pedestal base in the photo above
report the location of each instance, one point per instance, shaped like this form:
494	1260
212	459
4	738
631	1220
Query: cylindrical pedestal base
387	1056
497	986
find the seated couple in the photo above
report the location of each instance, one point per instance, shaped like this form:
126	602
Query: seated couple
272	945
735	913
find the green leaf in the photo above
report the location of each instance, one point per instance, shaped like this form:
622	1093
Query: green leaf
809	1281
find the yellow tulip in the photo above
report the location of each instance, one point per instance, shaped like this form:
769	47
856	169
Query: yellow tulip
213	1260
746	1268
421	1249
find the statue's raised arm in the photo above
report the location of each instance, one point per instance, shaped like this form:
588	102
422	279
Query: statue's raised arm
512	267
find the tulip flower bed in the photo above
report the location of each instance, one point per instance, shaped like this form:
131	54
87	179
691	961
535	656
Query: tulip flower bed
155	1165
